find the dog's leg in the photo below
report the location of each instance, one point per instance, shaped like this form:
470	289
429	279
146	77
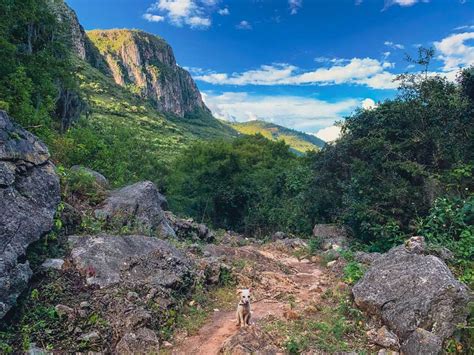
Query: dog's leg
237	315
247	318
242	319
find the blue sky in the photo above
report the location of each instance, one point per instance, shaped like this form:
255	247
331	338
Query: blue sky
301	63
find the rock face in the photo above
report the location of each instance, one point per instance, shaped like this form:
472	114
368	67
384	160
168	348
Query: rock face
331	236
139	207
107	260
408	290
29	195
80	43
146	64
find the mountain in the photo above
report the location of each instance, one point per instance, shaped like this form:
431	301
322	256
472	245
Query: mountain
299	141
145	64
141	108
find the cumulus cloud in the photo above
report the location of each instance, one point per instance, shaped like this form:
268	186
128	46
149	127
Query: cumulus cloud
302	113
403	3
243	25
368	104
223	12
394	45
295	6
329	134
359	71
192	13
153	18
455	52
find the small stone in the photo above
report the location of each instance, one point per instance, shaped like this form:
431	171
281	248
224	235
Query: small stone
132	296
167	344
84	304
63	310
384	337
216	310
92	336
56	264
331	263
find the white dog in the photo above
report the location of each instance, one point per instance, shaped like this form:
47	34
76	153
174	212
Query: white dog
243	308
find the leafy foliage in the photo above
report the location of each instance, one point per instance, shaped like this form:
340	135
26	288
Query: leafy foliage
249	184
393	161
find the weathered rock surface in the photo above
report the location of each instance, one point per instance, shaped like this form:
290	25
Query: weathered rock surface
139	207
107	260
29	195
100	179
141	341
408	290
250	340
422	342
147	63
366	258
80	43
188	229
331	236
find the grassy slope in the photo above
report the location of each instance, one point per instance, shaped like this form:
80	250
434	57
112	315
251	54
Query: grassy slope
299	141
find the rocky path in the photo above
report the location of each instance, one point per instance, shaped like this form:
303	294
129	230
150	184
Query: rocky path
298	281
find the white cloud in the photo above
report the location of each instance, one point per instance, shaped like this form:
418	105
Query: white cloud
243	25
295	6
454	51
153	18
463	28
223	12
302	113
368	104
404	3
362	71
329	134
183	12
394	45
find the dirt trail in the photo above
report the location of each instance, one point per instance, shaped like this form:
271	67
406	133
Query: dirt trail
300	281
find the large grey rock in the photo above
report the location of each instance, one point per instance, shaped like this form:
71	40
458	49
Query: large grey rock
107	260
408	290
138	206
29	195
100	179
331	236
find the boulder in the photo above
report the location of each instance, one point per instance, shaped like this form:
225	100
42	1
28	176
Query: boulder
106	260
29	196
408	290
188	229
139	207
100	179
330	236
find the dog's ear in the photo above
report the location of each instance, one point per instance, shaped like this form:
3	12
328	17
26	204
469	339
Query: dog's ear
250	289
238	292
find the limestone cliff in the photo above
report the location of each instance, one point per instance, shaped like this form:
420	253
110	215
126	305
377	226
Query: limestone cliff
146	65
76	35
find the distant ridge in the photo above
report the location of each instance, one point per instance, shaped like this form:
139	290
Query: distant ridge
298	141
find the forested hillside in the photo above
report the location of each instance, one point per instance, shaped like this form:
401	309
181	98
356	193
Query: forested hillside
300	142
